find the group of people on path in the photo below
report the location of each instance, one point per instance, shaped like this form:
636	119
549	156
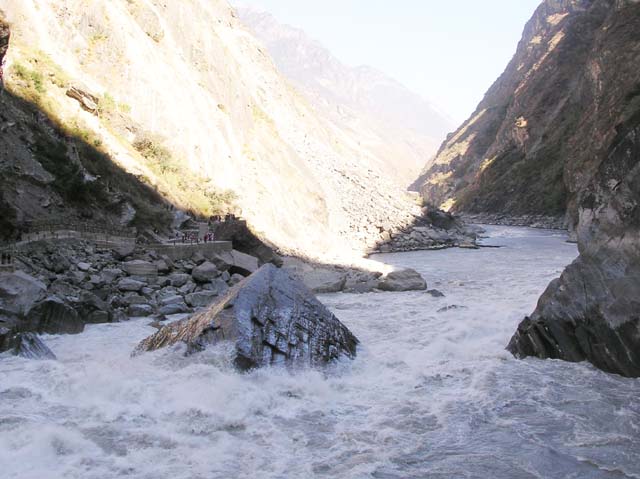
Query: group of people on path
193	238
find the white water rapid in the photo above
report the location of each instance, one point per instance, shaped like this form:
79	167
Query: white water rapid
432	393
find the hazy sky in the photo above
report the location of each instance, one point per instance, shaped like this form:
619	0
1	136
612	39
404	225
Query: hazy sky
450	51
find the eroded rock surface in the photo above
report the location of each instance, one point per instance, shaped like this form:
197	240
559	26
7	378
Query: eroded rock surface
592	312
271	319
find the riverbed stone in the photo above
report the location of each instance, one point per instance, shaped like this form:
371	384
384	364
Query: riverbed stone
174	308
179	279
403	280
140	310
130	284
270	318
219	286
201	298
204	273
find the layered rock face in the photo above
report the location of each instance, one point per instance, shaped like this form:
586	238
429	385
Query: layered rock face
593	311
270	318
538	136
180	96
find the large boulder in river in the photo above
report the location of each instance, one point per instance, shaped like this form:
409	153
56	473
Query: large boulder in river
271	318
53	316
403	280
318	278
19	292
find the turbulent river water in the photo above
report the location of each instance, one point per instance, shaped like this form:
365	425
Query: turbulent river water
432	393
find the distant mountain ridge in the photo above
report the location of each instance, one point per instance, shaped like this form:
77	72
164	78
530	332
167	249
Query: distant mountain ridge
363	98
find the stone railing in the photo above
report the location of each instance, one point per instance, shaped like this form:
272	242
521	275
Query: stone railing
102	236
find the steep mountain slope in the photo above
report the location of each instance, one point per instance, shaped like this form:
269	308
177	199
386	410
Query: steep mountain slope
561	129
182	97
530	147
395	124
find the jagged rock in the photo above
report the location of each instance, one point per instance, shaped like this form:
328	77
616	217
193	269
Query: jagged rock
205	272
19	292
271	319
190	287
139	310
83	266
171	300
130	284
87	101
140	268
133	298
198	258
239	263
163	267
53	316
201	298
56	263
92	309
219	286
319	279
30	346
403	280
174	308
123	250
221	262
361	282
179	279
591	313
109	275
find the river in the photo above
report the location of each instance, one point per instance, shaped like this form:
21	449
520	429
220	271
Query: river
432	393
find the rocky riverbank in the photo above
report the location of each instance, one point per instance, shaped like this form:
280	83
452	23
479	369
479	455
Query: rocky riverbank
60	286
434	229
531	221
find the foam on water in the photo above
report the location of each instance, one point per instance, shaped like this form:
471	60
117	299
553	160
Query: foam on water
431	395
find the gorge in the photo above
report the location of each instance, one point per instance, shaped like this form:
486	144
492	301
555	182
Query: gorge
179	180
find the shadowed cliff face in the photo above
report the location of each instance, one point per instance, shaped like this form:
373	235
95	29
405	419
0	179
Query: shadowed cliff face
50	173
180	94
592	312
539	135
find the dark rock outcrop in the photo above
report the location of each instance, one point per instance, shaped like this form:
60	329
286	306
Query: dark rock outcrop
30	346
560	132
88	101
53	316
271	318
593	311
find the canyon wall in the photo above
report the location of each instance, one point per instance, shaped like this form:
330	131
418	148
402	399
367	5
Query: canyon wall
181	97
